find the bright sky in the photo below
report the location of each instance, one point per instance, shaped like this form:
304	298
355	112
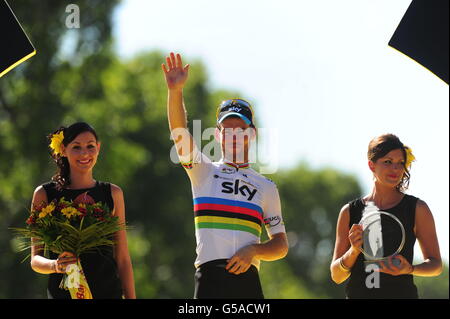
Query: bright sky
319	73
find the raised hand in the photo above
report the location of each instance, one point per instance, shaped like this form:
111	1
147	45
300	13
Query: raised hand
175	74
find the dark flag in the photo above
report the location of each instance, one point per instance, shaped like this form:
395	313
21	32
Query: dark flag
423	35
15	47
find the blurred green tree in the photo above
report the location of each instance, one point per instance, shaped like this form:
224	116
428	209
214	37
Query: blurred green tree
311	200
433	287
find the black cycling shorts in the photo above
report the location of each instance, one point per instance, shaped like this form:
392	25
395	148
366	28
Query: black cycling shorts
213	281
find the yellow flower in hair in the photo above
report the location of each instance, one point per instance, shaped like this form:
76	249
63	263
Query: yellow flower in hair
47	210
409	157
56	142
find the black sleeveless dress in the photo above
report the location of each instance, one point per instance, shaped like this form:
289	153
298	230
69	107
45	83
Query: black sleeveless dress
100	267
390	287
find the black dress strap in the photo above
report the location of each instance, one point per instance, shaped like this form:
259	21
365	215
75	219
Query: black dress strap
107	194
50	190
356	207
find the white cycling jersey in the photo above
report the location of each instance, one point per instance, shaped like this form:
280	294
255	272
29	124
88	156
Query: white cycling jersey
231	204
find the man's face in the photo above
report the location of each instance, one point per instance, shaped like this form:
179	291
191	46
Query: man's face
235	136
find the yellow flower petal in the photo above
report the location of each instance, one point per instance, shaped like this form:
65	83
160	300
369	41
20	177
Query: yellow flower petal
409	157
56	142
69	212
47	210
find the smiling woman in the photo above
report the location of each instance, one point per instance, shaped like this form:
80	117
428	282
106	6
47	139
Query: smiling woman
390	161
75	150
108	270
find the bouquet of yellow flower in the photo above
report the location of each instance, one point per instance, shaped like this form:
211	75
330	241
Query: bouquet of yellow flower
73	226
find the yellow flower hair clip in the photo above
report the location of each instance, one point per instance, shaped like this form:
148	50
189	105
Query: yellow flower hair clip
409	157
56	142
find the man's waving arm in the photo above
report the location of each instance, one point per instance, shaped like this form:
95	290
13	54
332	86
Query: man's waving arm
190	157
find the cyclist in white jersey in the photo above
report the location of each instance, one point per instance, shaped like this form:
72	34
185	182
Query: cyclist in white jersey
232	202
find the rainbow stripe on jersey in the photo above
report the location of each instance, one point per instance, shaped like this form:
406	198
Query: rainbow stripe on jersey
219	213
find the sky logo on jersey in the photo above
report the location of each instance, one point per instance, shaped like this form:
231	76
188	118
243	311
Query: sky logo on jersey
244	190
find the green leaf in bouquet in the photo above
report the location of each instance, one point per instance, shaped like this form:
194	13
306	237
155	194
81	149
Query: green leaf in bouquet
57	233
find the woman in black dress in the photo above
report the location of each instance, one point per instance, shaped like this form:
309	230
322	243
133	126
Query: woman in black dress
389	161
109	271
